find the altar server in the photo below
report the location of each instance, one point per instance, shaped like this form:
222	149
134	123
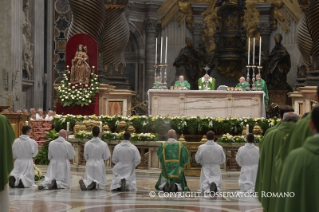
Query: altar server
24	149
247	157
173	156
96	152
242	83
206	83
6	161
210	155
182	83
60	154
125	157
300	174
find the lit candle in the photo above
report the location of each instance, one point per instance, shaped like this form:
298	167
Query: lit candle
26	123
93	67
161	57
166	52
100	126
68	126
248	51
156	52
247	129
259	50
254	52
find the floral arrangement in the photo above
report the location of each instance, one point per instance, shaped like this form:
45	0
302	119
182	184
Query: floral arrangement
109	136
77	93
227	138
37	173
161	124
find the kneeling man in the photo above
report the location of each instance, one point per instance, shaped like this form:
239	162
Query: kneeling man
210	155
173	156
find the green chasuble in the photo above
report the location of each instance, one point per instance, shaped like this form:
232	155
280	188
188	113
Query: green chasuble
272	128
181	84
7	137
296	138
300	175
157	84
243	86
210	84
173	156
265	181
263	88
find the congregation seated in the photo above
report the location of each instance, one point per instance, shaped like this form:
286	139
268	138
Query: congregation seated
40	115
49	116
33	117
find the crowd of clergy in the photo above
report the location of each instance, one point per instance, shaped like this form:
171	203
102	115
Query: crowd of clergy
287	160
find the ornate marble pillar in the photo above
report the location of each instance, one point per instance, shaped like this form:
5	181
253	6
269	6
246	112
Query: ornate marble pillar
264	25
150	27
198	25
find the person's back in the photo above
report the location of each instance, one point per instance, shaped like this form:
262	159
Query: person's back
210	155
95	152
24	149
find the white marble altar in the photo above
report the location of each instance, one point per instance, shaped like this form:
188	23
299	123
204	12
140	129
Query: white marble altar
206	103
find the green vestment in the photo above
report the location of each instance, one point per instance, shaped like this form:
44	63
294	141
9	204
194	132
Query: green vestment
272	128
157	84
296	138
265	181
183	84
7	137
173	156
300	175
263	88
243	86
210	84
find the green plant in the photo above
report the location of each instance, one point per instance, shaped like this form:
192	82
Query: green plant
42	156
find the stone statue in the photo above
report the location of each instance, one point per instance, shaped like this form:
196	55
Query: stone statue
190	63
80	70
279	65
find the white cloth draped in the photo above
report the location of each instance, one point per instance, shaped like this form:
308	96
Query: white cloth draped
24	149
96	152
60	154
210	155
125	157
247	157
4	199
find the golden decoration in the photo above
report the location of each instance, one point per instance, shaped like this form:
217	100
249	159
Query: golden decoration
204	139
181	138
122	126
256	130
131	128
244	132
79	126
106	127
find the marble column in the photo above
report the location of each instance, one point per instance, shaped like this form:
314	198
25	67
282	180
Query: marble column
264	25
198	25
150	27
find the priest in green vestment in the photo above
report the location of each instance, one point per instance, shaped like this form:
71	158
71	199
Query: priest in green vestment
271	143
7	137
300	174
263	87
182	83
173	156
297	137
158	81
206	83
242	83
283	109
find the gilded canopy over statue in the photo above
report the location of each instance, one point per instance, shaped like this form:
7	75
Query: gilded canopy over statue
80	70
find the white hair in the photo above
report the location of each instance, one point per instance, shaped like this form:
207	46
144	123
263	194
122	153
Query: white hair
242	78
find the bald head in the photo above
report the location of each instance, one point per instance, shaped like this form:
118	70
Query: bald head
285	109
290	117
62	133
171	133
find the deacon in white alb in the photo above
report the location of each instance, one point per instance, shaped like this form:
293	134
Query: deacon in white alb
125	157
60	154
210	155
247	157
96	152
24	149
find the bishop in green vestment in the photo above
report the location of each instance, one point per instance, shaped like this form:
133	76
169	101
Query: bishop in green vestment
271	143
283	109
182	83
242	83
158	82
173	156
300	174
7	137
206	83
263	86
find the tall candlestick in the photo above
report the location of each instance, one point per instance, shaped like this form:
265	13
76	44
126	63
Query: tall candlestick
166	52
249	51
26	123
259	50
161	60
100	126
247	129
68	126
254	52
156	52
